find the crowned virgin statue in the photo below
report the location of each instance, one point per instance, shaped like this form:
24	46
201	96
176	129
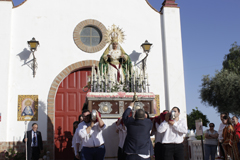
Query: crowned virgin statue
114	61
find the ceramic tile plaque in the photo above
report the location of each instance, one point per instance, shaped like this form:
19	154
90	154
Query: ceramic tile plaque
27	107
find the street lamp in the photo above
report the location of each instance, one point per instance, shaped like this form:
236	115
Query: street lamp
146	46
33	44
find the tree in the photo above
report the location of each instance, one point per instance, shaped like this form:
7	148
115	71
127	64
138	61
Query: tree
223	90
194	115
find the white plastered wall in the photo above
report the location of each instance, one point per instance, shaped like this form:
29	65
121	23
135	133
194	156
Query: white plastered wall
5	46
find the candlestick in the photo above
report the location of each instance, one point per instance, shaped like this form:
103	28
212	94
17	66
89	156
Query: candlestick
92	76
132	85
109	83
144	84
102	70
134	76
147	78
132	70
137	72
106	81
98	71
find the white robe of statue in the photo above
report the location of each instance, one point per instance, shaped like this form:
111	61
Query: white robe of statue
115	56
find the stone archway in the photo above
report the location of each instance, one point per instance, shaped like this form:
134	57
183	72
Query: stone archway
51	99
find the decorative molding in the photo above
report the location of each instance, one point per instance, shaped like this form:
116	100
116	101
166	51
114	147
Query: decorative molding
118	99
78	29
169	3
52	95
105	107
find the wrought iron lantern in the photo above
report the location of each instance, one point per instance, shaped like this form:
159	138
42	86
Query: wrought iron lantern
33	44
146	46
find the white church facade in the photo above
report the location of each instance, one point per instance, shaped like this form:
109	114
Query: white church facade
65	56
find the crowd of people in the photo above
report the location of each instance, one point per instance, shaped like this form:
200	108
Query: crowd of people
227	138
134	130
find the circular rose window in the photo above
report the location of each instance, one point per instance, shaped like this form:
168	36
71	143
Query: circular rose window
88	36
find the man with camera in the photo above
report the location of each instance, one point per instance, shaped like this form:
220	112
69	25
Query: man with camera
172	141
137	144
90	136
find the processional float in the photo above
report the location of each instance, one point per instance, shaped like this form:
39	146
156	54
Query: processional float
115	81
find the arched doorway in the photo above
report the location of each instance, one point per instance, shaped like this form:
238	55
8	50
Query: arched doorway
51	100
68	106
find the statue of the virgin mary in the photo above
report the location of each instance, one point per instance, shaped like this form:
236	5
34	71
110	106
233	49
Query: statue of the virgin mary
114	61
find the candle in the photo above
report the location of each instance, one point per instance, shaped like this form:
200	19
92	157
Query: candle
134	78
147	78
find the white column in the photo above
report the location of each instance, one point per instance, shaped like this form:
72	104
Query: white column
173	59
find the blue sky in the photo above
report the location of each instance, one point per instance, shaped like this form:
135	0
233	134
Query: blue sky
209	27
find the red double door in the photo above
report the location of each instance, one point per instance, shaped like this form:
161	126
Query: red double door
68	106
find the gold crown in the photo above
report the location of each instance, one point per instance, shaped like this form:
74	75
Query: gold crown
114	34
114	39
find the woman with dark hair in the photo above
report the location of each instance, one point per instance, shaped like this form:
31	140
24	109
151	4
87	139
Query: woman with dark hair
211	142
75	125
230	140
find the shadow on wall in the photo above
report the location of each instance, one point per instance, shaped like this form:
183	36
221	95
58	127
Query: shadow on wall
63	145
135	56
17	148
24	55
111	139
